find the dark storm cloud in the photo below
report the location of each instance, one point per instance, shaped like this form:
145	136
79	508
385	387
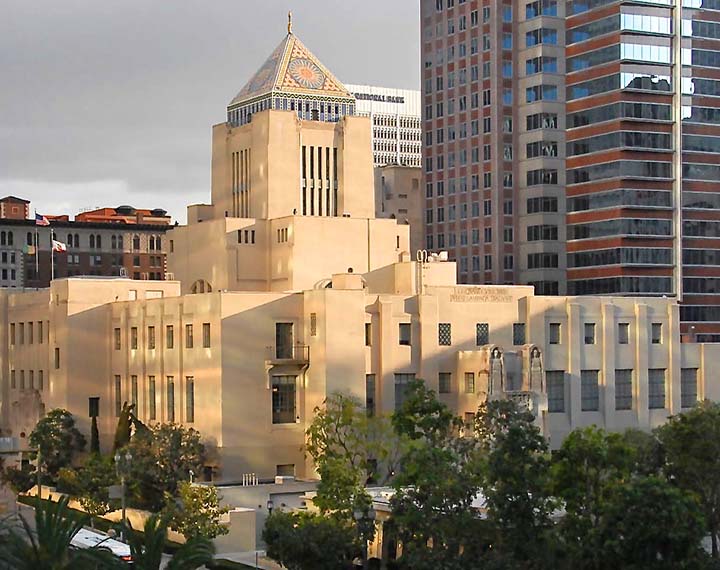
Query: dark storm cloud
96	96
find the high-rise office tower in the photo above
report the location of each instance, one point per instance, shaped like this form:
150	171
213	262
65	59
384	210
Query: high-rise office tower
492	79
643	218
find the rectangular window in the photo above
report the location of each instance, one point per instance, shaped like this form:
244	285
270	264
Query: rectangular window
688	387
21	333
444	382
444	334
656	388
623	389
370	394
555	390
22	379
169	337
589	391
518	334
57	358
283	399
12	334
368	334
188	336
401	385
40	332
134	391
151	338
170	399
41	380
206	335
589	333
284	334
656	332
118	344
404	333
152	410
13	380
554	333
469	382
189	399
623	333
133	338
30	333
482	334
118	395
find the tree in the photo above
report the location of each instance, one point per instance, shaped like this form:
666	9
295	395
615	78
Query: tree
47	545
349	448
516	480
94	478
94	436
303	541
691	443
432	508
147	546
648	524
585	470
162	456
20	479
197	512
58	441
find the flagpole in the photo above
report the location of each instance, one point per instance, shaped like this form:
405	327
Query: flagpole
52	256
37	252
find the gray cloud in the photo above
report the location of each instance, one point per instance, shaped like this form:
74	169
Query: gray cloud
115	99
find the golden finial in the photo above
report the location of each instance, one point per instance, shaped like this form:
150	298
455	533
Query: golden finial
289	22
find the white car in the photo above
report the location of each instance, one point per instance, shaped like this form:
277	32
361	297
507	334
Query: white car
87	538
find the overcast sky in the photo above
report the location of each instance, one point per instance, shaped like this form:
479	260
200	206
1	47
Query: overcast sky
108	102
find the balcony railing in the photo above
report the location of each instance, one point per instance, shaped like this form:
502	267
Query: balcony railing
288	354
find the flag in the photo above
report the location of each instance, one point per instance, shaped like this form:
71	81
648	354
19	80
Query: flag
58	246
41	220
29	249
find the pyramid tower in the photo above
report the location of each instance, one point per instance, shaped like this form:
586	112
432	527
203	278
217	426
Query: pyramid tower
292	79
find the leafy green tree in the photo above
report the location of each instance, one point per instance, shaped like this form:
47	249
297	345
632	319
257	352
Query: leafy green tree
19	479
648	524
585	470
45	545
162	457
516	480
58	440
303	541
691	443
432	508
94	478
197	511
647	452
147	546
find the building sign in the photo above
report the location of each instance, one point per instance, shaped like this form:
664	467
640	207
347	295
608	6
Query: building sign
480	295
379	98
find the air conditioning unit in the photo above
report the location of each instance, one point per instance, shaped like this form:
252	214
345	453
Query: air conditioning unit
169	277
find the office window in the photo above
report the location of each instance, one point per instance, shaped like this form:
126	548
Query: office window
13	380
368	334
518	334
117	336
133	338
656	333
169	337
482	334
401	385
283	399
554	333
623	389
57	358
589	391
30	333
444	334
688	387
21	333
12	334
134	391
555	380
151	338
623	333
404	333
444	382
41	380
188	336
589	333
206	335
189	399
170	399
118	395
152	409
370	394
22	379
656	388
469	382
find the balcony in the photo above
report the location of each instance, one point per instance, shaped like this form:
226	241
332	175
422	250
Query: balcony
294	354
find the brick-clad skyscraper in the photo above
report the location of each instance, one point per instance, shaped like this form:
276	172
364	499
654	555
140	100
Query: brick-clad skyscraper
493	118
642	218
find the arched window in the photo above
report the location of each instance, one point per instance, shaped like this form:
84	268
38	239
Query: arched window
70	240
29	238
2	238
158	243
113	242
120	242
152	243
10	238
77	240
92	241
98	241
136	243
